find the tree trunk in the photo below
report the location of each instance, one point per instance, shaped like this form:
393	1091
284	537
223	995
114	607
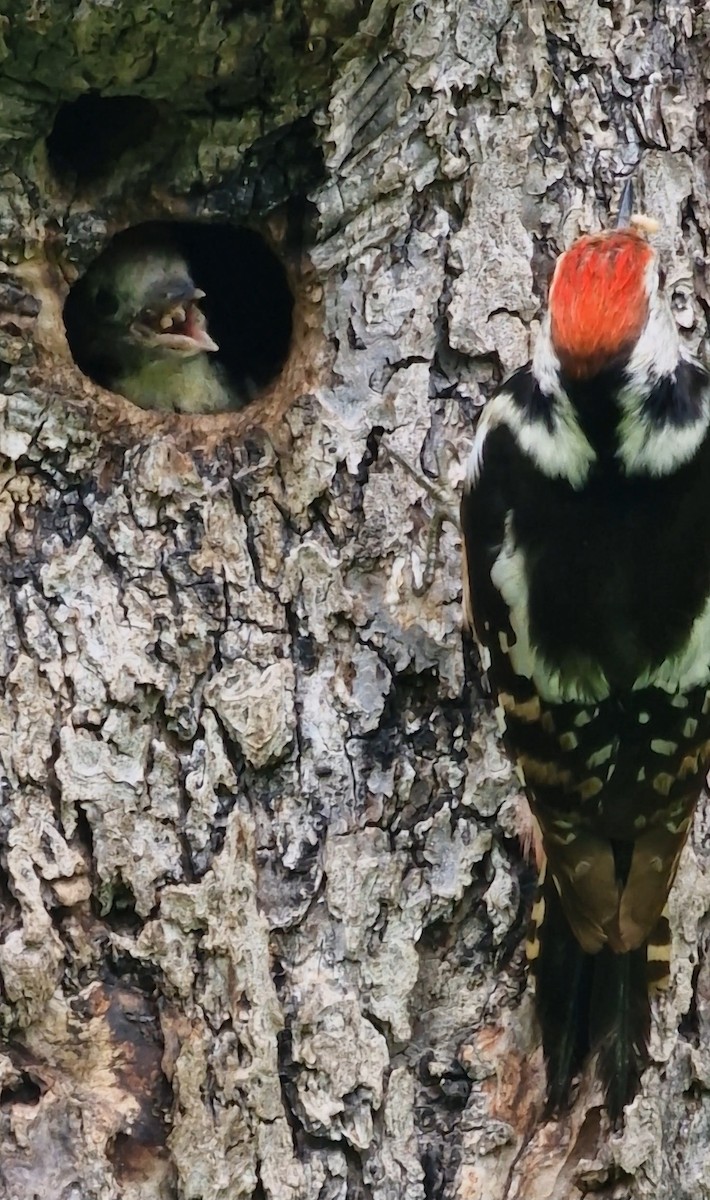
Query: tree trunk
262	899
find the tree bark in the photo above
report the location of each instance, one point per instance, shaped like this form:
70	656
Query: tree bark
262	898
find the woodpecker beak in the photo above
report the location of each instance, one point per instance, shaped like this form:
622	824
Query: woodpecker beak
599	295
174	322
626	206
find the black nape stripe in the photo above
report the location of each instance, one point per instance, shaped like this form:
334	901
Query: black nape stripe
677	399
596	407
528	396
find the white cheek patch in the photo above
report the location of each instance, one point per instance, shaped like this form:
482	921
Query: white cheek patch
546	366
645	450
646	447
561	452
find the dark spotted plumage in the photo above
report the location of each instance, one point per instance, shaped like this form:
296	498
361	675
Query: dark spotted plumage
586	521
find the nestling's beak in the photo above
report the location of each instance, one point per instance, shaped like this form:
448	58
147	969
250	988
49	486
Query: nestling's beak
626	205
172	321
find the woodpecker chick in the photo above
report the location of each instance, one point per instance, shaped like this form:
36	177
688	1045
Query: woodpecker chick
148	333
586	523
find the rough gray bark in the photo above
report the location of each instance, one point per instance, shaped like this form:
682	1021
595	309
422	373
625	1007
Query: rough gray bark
261	897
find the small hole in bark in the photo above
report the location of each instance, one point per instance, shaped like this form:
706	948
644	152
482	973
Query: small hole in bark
24	1090
120	914
91	133
118	314
133	1161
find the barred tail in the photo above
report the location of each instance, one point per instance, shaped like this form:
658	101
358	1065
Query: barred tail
592	1002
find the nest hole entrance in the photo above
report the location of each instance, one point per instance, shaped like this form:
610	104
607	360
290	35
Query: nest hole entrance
91	133
248	304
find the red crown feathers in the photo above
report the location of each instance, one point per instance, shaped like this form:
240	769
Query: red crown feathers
598	300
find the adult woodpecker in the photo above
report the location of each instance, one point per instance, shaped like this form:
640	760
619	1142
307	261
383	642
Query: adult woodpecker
145	336
586	526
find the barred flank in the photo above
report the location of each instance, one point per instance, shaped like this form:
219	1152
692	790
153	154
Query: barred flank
658	955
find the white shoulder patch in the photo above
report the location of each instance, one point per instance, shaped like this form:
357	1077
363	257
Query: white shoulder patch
580	681
690	667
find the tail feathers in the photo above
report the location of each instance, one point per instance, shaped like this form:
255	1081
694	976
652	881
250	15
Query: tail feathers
619	1023
592	1002
563	978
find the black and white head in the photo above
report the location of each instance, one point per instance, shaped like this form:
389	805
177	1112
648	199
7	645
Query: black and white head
609	333
606	307
609	379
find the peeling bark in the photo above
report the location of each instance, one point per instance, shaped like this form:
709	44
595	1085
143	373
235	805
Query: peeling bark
261	899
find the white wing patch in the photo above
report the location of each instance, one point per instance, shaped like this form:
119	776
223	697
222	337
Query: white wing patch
579	681
687	669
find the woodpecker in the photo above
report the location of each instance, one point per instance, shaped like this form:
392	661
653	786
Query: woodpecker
144	334
586	530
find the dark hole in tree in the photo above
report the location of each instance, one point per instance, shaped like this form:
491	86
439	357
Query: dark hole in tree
122	915
134	1159
248	303
24	1090
92	132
